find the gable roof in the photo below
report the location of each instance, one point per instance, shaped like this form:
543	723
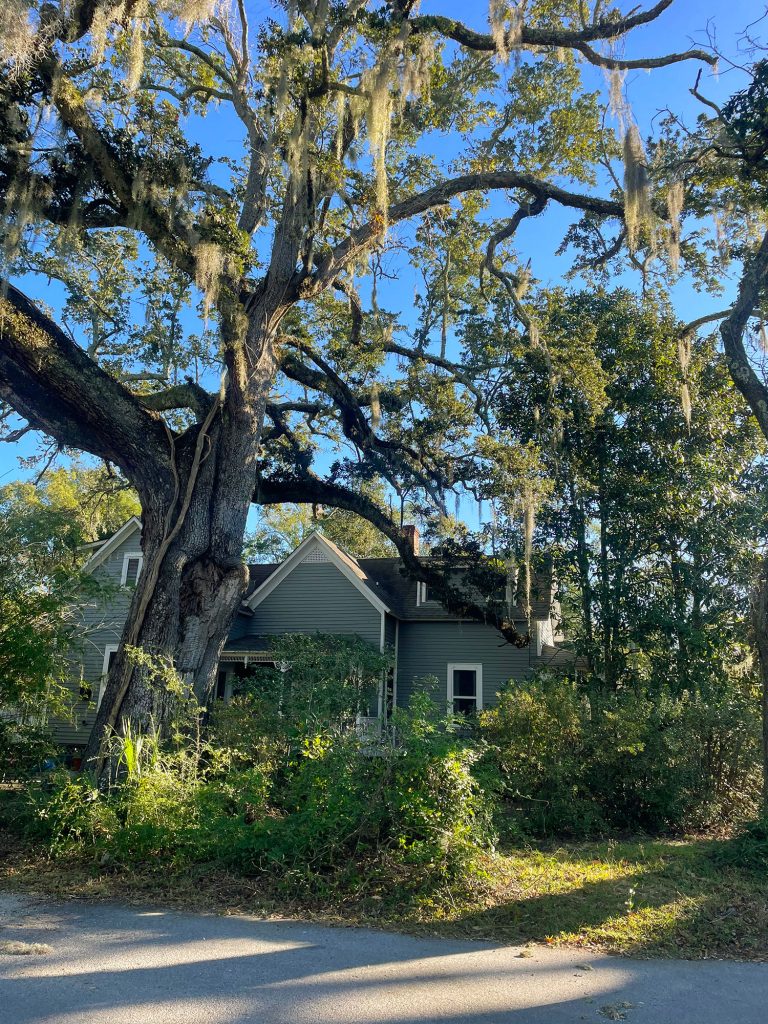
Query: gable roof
401	590
382	581
108	546
346	565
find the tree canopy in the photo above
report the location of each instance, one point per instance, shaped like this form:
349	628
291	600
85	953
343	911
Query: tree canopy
293	378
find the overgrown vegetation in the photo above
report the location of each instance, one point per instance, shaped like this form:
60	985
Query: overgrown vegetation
301	801
287	807
575	760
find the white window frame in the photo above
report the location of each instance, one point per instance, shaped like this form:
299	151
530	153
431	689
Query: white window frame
127	557
108	651
475	667
421	595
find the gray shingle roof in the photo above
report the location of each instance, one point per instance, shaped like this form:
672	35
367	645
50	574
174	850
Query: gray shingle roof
386	579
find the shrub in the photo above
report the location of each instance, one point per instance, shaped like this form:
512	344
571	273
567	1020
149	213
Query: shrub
576	760
325	682
315	807
345	798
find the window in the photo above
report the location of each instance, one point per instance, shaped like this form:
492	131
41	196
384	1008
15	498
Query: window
110	653
132	563
465	688
424	595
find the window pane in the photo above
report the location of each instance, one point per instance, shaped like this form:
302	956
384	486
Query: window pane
464	705
132	571
464	682
111	660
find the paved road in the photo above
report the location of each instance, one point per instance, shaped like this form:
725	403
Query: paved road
118	965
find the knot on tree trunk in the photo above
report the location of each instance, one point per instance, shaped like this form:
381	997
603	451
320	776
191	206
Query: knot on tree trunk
201	585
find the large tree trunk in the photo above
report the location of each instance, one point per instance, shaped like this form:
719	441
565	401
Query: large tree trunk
194	577
760	626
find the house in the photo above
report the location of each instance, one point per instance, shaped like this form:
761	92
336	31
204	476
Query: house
321	588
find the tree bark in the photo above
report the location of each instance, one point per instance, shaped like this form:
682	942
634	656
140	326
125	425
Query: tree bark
194	577
760	627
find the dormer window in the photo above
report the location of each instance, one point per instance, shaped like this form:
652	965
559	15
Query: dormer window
424	595
132	563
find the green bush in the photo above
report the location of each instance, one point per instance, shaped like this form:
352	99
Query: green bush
24	749
71	814
747	850
579	761
321	805
325	682
347	798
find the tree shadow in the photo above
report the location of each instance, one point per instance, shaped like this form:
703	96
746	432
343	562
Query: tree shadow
115	965
697	901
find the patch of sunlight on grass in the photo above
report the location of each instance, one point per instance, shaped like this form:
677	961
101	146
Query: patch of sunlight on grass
534	872
644	929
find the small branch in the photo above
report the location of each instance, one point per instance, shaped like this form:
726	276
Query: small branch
694	325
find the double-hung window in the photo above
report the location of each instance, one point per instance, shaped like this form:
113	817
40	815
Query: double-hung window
465	688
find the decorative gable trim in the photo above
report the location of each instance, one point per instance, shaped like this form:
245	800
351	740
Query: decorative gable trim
317	548
114	542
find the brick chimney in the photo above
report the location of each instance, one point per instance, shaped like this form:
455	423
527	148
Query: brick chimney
411	534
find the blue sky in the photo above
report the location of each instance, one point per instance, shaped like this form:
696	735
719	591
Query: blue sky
686	24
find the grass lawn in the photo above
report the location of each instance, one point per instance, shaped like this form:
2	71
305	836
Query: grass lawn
638	897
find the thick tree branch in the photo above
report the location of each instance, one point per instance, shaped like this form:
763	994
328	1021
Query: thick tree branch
313	490
52	382
440	194
181	396
530	36
752	288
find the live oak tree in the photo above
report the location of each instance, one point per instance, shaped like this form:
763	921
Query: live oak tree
100	138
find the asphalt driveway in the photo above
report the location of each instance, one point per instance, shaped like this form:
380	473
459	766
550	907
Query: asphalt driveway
118	965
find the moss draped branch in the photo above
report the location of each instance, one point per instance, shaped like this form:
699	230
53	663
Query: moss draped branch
529	36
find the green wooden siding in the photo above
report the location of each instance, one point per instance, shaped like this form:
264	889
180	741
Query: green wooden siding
427	648
103	624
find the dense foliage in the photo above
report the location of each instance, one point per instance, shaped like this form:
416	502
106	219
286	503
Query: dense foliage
319	681
40	589
576	760
326	803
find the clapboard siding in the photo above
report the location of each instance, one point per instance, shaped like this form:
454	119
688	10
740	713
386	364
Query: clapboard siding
315	597
427	648
103	620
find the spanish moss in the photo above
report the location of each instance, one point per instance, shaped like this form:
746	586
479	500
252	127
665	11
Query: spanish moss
637	202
